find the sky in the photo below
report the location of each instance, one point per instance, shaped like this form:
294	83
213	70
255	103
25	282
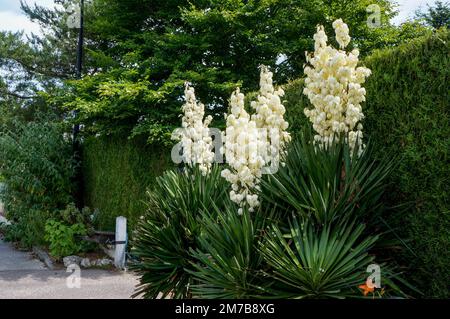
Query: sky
407	8
12	19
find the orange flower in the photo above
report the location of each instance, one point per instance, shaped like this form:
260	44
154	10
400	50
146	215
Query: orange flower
366	289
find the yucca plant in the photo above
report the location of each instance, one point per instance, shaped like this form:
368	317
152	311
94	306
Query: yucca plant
312	262
170	229
325	262
327	183
227	262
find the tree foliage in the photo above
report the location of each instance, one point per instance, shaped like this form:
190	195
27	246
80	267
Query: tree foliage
36	165
139	53
437	16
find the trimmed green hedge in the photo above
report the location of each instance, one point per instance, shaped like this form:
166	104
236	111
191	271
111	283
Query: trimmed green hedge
407	113
117	171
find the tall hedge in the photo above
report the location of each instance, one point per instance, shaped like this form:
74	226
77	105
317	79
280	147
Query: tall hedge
407	110
116	172
407	113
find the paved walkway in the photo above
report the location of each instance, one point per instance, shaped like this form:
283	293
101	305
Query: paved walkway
13	260
21	276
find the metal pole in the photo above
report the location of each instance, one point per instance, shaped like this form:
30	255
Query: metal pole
80	41
76	127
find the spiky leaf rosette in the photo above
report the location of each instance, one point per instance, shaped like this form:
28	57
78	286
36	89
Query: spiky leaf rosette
170	228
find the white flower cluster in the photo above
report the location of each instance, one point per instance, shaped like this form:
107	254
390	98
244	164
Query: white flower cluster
333	85
270	115
195	139
241	150
248	147
341	30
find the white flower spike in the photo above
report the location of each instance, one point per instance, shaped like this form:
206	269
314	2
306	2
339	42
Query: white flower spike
333	85
195	139
253	142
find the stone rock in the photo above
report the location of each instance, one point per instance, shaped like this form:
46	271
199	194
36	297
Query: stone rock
103	262
85	263
44	257
3	220
69	260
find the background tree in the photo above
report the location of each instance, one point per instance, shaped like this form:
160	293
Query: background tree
139	53
437	16
217	45
35	67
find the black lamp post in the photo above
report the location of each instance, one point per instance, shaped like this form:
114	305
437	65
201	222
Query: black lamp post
76	128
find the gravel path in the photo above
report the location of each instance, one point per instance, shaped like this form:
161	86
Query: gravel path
22	277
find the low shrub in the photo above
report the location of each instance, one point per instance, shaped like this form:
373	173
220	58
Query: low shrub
27	228
37	167
62	238
65	230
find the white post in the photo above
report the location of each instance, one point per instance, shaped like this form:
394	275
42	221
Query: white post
121	242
